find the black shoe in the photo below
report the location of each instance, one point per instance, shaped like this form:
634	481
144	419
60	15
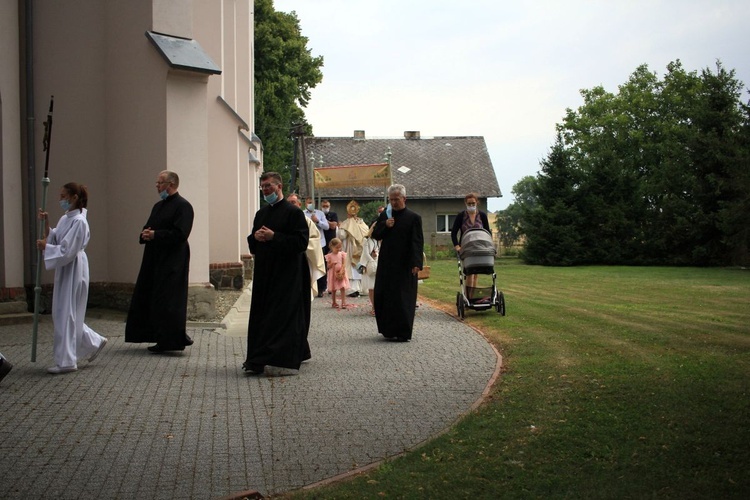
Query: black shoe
188	340
5	368
253	368
353	294
397	339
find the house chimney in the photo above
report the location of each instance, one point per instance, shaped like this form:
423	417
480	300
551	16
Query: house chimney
359	134
411	134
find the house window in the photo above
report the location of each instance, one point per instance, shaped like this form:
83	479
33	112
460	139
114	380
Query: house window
444	223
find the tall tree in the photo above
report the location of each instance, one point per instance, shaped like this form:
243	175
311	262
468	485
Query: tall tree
553	224
716	152
285	71
657	174
735	213
508	221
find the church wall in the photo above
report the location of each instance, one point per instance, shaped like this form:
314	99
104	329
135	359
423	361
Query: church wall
11	194
121	116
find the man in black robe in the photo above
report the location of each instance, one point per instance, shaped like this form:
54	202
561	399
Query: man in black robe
401	257
158	309
277	327
314	265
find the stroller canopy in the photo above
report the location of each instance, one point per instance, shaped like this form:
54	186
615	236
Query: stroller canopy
476	242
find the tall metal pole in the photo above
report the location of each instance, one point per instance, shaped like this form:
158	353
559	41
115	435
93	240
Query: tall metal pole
311	193
45	185
320	162
304	160
387	158
296	132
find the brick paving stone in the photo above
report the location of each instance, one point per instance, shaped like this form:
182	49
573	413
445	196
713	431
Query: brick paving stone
191	424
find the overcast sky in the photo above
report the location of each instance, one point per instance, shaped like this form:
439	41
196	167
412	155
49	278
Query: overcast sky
502	70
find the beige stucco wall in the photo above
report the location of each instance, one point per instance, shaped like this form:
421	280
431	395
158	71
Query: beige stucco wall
136	134
173	17
122	115
187	154
11	200
233	182
67	64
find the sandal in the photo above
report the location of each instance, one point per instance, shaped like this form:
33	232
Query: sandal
335	306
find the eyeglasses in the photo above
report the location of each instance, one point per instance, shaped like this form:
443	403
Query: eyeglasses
269	185
163	182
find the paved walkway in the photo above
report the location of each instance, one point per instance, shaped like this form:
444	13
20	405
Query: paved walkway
192	425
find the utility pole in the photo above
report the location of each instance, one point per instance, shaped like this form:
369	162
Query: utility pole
297	132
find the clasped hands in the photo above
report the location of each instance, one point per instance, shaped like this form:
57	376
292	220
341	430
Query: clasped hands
147	234
263	234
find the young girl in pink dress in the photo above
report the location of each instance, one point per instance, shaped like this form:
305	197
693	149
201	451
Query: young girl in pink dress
337	279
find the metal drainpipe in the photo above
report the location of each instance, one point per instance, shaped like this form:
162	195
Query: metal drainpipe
30	156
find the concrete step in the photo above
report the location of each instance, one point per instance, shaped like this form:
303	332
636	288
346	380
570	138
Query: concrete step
13	307
15	312
16	319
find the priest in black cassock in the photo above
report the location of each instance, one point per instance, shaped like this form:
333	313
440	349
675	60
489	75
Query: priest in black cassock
277	328
158	309
401	257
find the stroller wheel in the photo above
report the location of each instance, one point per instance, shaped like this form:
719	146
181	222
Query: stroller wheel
500	303
460	305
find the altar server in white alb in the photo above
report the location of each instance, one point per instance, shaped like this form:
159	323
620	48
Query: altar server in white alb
64	251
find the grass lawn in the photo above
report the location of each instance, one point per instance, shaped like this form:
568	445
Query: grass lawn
618	382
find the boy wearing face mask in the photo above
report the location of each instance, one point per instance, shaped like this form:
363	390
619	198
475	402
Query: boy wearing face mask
318	217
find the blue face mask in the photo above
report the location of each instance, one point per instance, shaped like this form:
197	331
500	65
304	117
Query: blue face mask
271	198
65	205
164	195
389	211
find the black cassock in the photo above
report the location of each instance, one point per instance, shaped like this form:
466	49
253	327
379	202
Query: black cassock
280	304
401	249
158	309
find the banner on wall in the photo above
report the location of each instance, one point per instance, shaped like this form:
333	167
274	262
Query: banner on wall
352	176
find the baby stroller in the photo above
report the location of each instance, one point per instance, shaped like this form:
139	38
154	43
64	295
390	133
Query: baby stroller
477	256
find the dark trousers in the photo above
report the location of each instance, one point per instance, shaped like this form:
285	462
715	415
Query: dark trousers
323	280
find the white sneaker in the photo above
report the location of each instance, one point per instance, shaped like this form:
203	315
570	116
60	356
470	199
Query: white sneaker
98	350
61	369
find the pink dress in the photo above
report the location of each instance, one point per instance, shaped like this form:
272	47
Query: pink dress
335	263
